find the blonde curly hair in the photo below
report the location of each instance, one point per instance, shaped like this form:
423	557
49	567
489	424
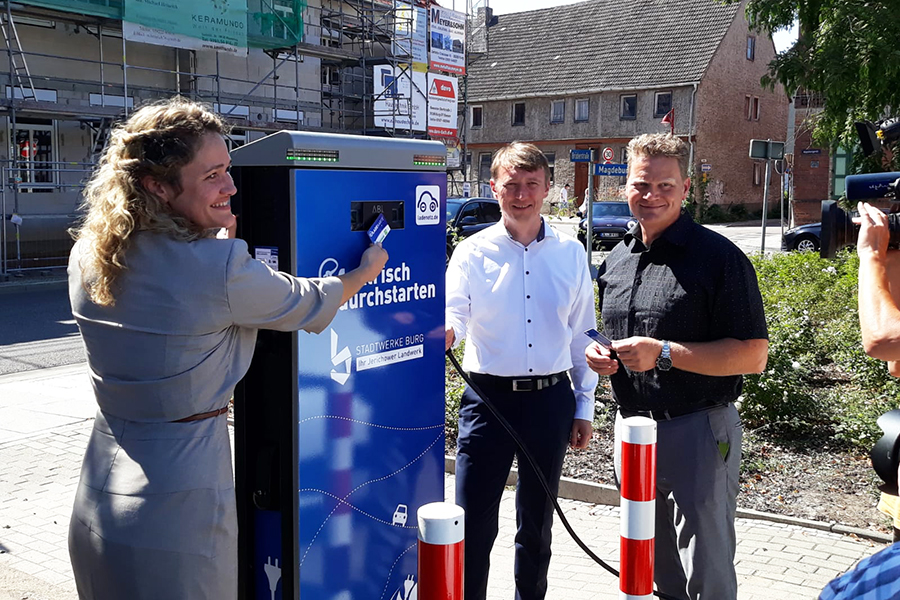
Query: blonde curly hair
158	140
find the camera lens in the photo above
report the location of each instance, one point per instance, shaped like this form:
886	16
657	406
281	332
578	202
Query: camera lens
839	230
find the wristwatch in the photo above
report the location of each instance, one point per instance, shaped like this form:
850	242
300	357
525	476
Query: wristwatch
664	360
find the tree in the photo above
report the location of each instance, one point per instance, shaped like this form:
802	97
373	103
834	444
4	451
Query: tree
846	49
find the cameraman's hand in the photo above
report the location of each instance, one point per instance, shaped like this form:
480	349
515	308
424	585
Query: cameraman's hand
874	234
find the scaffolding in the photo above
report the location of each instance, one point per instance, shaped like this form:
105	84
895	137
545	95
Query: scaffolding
95	77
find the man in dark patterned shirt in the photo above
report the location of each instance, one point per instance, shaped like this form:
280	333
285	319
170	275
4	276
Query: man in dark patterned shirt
682	306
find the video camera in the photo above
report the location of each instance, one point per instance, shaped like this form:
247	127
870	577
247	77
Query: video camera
874	135
838	229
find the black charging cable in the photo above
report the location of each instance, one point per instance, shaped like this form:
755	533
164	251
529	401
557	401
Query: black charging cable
518	440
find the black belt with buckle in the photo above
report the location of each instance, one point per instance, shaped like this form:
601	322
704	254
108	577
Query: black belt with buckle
520	384
660	414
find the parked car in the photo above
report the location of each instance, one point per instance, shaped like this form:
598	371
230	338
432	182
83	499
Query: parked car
466	216
807	237
802	238
611	221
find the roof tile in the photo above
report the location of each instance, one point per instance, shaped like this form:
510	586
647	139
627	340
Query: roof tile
599	45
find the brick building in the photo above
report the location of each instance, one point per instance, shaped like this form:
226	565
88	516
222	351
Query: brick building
818	171
597	73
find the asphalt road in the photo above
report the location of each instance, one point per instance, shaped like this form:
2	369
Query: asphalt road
37	330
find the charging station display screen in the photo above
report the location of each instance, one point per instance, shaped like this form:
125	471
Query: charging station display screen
371	386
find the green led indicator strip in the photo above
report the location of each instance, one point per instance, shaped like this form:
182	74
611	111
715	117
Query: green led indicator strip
313	159
427	164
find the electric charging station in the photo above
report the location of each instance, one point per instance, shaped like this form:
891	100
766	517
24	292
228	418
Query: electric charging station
339	437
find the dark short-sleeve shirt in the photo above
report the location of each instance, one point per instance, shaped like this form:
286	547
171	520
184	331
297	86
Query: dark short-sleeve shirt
690	285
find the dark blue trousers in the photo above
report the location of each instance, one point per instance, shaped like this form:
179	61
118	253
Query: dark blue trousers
543	419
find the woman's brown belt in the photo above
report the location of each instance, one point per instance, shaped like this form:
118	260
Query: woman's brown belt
203	415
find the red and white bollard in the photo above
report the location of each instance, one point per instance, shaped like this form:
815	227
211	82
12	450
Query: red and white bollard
637	527
441	551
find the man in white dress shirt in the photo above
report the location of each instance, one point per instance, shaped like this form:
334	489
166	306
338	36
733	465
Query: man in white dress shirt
522	295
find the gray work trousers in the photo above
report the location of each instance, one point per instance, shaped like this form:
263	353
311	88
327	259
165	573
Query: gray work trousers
697	472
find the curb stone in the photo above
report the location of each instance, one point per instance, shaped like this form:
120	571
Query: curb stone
598	493
16	287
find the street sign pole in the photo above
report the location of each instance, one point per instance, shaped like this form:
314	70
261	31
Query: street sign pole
589	217
765	204
766	150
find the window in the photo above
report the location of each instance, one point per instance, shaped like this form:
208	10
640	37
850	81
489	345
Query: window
484	166
582	110
842	159
491	212
477	117
470	211
236	138
751	47
551	160
35	149
629	107
757	173
557	111
662	103
331	38
331	79
518	113
751	107
286	24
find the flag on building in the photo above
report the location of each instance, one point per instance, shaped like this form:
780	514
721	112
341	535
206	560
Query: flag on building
669	120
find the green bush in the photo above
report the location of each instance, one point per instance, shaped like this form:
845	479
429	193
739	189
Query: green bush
817	378
454	387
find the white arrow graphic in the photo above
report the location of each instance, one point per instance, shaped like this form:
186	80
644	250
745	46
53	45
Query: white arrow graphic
339	357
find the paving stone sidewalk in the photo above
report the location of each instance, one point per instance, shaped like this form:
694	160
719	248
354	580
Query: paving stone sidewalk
46	417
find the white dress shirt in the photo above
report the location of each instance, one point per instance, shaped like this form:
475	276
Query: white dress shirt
524	308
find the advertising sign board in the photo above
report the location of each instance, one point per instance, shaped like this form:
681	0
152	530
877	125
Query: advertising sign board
189	24
442	105
411	35
448	40
400	94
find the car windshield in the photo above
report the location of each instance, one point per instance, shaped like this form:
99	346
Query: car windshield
611	209
453	208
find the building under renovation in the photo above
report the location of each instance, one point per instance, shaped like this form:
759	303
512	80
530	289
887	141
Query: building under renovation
76	66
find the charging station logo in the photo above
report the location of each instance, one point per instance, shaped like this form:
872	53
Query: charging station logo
428	204
339	357
329	268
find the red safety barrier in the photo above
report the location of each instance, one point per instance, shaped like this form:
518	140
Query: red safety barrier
637	527
441	551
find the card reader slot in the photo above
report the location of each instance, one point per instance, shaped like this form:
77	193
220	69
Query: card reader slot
364	213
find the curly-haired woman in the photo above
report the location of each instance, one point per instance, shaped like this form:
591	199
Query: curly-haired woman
169	316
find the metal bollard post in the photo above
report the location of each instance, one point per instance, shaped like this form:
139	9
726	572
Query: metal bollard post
637	526
441	551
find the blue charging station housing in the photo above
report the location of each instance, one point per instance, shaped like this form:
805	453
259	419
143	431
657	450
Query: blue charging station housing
339	437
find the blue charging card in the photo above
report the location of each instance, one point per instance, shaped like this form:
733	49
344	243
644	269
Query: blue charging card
598	337
379	230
